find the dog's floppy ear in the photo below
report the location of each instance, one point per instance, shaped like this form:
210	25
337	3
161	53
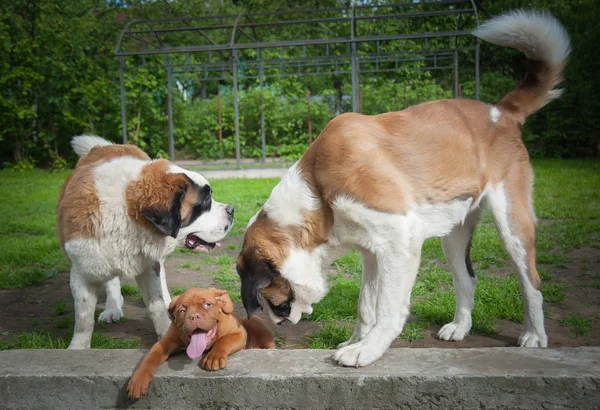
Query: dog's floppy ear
172	307
222	296
167	221
256	274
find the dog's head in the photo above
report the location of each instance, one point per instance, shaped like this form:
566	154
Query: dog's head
179	203
196	313
277	276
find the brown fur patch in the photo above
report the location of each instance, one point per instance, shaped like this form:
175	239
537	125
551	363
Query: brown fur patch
532	93
191	198
106	153
278	292
519	183
418	160
155	189
78	213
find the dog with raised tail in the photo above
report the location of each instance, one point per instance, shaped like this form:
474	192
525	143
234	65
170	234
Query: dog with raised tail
383	184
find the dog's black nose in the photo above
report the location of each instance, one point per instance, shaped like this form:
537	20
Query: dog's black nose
229	209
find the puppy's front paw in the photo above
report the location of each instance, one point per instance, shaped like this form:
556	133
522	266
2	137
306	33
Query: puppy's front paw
138	385
214	361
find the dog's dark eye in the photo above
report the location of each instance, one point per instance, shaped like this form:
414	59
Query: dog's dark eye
182	310
282	310
207	305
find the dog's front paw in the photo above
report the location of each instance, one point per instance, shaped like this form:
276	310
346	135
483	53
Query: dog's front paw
110	316
454	331
214	361
138	385
357	355
532	339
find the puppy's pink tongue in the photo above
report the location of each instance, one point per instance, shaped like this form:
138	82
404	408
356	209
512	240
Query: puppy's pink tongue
197	344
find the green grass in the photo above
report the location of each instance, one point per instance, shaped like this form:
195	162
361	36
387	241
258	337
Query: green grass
224	260
413	331
64	322
579	324
567	189
350	263
134	291
177	291
340	302
330	335
229	280
44	340
245	195
567	202
29	249
60	308
554	292
131	290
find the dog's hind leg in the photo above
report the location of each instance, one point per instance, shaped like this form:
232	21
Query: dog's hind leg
151	289
85	296
367	301
113	311
456	248
512	210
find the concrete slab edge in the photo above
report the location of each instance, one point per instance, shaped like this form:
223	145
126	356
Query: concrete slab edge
499	378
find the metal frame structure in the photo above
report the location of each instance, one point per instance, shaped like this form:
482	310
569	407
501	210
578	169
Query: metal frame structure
153	37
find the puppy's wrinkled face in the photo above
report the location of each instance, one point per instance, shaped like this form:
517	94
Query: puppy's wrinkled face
198	309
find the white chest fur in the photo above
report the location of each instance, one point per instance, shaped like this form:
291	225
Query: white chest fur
356	224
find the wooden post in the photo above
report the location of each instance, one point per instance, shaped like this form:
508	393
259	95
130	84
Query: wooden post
219	119
309	123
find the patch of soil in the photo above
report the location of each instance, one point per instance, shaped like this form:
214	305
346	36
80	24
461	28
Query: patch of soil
33	308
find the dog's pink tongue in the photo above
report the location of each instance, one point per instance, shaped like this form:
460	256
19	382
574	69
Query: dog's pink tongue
197	345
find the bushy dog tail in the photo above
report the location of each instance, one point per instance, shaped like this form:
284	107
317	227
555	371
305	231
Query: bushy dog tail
83	144
546	44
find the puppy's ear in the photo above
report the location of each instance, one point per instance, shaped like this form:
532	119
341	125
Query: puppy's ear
167	221
172	307
255	274
224	300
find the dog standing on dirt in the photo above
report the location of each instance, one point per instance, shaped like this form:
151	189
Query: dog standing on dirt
202	320
385	183
121	214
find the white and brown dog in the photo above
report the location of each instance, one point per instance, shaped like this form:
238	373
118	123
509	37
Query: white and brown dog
385	183
119	215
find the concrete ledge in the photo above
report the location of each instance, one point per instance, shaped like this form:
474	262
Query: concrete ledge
506	378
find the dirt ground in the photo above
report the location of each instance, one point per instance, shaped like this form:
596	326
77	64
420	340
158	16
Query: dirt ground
32	308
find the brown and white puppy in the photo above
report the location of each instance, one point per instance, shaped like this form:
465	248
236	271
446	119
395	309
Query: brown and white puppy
119	215
202	320
383	184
